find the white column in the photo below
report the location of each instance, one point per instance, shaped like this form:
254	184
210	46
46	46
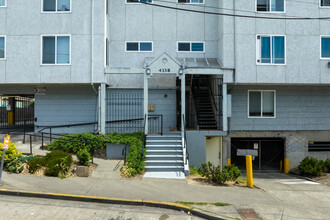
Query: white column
224	108
103	98
145	101
183	101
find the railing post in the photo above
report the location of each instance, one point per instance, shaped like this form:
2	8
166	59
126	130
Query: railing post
50	134
30	144
42	139
161	116
24	131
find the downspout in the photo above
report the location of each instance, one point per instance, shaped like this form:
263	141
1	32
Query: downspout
235	54
92	66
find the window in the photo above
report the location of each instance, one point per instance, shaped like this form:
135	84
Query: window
325	3
270	5
136	1
56	6
190	46
325	47
2	48
318	146
2	3
261	103
56	50
270	49
191	1
139	46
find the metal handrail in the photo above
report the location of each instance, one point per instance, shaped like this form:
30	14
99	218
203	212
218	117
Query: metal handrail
185	140
216	107
144	136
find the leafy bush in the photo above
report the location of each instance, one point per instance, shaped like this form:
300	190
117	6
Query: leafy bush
232	171
16	165
36	164
73	143
215	175
327	165
193	170
11	154
310	166
57	163
83	157
127	171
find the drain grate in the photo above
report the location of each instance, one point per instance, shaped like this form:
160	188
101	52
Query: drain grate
248	214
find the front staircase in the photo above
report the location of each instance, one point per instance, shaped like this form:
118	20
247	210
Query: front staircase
204	109
164	156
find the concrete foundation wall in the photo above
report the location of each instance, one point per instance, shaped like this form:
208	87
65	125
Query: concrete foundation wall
296	143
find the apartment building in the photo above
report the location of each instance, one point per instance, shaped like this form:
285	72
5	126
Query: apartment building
219	79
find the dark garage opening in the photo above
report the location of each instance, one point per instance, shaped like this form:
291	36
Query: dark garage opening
268	152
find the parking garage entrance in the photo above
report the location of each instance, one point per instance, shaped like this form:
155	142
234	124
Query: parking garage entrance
266	152
16	112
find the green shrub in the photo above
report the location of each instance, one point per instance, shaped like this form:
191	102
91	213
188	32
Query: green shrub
11	154
310	166
215	175
327	165
57	163
16	165
35	164
232	171
73	143
83	157
193	170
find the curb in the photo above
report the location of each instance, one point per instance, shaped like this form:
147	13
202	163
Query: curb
106	200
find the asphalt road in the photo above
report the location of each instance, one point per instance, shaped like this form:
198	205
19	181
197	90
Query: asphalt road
14	207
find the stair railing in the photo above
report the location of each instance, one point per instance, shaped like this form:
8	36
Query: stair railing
211	91
144	136
185	148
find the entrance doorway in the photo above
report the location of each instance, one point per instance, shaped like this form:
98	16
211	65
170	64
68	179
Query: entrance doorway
214	150
267	152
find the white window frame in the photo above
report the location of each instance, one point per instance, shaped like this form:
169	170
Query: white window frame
5	48
248	103
5	6
41	48
135	3
139	51
59	12
323	6
191	3
270	11
191	42
258	49
323	36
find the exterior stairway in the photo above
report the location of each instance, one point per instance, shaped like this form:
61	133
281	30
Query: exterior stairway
204	110
164	156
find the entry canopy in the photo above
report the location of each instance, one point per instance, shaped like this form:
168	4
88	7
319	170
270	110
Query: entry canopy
166	64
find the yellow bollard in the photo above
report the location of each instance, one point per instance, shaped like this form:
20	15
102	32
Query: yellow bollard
228	162
11	118
249	172
281	165
286	165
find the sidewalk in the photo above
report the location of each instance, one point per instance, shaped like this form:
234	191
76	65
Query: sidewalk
279	197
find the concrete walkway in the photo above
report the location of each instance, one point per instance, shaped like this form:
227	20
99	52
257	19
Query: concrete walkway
278	196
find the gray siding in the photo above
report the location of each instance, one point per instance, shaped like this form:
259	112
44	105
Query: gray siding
66	105
297	108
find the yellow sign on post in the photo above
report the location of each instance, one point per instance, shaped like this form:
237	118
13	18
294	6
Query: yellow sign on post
6	142
5	146
249	172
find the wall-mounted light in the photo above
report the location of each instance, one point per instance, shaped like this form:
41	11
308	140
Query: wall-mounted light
181	71
148	72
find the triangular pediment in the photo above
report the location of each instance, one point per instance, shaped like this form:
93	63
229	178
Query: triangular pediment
164	64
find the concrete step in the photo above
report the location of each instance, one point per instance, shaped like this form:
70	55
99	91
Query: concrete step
164	157
162	163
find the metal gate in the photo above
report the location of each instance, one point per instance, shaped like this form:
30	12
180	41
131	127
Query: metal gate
267	152
16	112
